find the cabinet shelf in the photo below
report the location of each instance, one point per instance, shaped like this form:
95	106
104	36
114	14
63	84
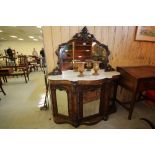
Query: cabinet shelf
78	51
77	57
78	44
83	45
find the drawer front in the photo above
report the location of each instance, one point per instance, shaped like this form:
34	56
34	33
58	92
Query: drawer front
127	83
147	84
91	96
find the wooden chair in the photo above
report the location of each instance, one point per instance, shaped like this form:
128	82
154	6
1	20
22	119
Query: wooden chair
23	65
19	69
33	63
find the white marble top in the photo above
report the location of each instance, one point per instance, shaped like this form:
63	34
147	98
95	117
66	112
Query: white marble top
70	75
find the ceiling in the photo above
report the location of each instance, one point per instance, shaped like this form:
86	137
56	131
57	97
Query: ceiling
21	33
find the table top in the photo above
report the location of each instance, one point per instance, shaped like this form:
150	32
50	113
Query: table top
73	76
6	70
139	71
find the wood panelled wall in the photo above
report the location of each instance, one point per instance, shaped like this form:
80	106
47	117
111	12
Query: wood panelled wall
125	51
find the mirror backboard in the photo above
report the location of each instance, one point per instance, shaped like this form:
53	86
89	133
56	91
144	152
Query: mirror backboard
82	47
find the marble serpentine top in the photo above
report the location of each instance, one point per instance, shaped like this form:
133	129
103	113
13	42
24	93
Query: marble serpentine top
70	75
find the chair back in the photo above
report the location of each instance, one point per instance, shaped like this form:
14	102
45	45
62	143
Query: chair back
22	60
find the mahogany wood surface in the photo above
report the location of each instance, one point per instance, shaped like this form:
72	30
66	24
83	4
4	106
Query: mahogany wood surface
136	79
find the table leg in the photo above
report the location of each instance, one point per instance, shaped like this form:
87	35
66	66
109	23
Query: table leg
132	103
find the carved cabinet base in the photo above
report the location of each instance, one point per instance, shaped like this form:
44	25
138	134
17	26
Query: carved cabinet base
76	96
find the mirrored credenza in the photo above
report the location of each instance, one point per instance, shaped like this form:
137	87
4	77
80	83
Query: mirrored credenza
83	73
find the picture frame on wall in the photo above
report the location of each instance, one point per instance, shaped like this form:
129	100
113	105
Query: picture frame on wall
145	33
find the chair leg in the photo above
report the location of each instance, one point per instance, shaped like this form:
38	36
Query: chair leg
2	90
5	79
28	76
25	78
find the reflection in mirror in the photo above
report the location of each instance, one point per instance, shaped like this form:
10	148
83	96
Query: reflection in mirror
98	52
62	102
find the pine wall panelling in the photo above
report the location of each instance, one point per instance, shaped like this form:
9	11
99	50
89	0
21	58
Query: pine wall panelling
65	34
73	30
125	50
48	46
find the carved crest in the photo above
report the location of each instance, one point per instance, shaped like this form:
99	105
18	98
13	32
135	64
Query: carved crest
84	35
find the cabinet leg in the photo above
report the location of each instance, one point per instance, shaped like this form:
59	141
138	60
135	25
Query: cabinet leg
113	107
105	118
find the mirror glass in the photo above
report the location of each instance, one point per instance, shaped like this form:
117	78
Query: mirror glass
82	52
62	101
98	52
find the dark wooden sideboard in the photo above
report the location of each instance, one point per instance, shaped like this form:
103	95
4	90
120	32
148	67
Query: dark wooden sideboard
83	47
136	79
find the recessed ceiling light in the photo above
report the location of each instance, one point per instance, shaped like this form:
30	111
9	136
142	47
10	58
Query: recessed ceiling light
20	39
13	36
31	37
1	31
35	39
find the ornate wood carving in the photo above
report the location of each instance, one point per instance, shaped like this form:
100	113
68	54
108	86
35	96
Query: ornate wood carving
84	35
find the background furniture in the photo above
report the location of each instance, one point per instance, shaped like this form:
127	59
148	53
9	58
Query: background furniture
4	72
17	68
33	62
136	80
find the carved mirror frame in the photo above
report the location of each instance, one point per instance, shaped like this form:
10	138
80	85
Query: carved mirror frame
84	36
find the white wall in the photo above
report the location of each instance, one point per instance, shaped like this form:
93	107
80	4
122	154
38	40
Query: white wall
23	47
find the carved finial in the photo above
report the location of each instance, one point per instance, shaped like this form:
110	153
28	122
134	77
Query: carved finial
84	30
84	35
